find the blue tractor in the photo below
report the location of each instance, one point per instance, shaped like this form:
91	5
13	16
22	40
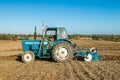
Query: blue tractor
55	45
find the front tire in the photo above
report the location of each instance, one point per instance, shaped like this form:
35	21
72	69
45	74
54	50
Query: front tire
62	52
28	56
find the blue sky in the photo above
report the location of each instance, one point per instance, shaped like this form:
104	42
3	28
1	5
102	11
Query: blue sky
77	16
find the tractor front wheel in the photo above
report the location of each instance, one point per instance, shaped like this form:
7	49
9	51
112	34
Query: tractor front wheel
62	52
28	57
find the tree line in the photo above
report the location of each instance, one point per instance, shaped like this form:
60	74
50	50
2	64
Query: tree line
71	36
97	37
13	36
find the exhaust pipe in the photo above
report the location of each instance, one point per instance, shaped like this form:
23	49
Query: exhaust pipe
35	34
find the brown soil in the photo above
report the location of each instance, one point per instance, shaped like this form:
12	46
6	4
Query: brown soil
11	67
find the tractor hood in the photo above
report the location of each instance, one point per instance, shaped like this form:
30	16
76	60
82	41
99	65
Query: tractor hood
30	44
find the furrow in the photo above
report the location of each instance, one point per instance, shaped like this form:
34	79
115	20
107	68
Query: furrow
78	70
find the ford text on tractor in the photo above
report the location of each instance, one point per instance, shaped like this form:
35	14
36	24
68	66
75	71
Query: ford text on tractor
55	45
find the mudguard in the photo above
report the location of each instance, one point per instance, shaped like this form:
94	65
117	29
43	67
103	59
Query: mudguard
58	41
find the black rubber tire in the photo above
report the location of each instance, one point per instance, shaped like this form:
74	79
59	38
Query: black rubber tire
69	49
30	53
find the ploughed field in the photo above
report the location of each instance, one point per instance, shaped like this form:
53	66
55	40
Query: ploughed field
11	67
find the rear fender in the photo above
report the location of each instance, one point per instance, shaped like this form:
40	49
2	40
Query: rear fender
59	41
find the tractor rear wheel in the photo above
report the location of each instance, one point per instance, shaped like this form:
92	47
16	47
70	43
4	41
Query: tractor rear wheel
62	52
28	56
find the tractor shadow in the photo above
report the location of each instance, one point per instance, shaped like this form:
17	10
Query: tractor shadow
19	59
44	59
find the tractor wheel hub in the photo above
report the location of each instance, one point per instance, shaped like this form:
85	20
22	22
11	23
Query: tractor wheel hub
27	57
62	53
